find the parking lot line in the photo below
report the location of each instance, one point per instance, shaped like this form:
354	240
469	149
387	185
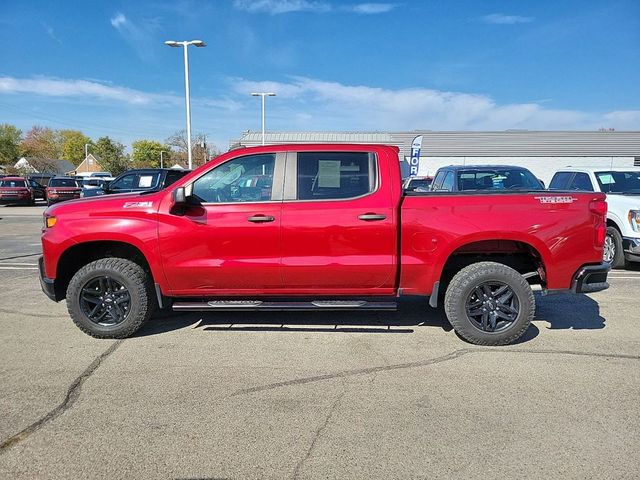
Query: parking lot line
18	268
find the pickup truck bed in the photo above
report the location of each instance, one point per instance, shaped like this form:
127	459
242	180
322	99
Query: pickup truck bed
319	227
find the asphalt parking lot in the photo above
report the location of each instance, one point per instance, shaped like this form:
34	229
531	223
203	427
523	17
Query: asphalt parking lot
322	395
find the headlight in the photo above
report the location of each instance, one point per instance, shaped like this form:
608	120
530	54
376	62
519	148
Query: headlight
634	220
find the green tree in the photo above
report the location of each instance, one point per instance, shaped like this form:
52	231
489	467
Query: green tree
41	142
73	145
111	154
10	137
146	153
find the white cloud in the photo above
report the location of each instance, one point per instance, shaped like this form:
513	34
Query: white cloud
139	36
501	19
52	34
371	8
54	87
276	7
318	105
118	21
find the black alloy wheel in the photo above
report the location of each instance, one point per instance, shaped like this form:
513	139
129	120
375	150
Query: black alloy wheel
492	306
105	301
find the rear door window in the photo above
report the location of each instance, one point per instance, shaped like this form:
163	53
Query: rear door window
334	175
146	180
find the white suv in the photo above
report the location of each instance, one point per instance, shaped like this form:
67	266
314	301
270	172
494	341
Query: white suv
622	186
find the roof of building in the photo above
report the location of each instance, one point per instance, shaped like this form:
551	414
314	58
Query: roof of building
59	167
509	143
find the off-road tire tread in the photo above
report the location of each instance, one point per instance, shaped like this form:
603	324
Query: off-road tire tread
470	274
139	280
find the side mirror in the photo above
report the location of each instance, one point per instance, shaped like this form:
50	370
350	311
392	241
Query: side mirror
179	196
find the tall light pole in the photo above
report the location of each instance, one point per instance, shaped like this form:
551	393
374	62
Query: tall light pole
185	45
161	162
263	95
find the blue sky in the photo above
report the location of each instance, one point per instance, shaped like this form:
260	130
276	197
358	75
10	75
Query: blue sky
102	67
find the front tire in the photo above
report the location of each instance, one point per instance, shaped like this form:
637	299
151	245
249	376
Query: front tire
489	303
613	252
110	298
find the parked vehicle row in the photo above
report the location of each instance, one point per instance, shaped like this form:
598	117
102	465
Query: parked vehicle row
21	190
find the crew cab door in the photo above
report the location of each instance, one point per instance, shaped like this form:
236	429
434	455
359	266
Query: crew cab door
227	239
338	224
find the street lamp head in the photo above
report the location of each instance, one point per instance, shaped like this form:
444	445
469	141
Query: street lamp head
270	94
172	43
198	43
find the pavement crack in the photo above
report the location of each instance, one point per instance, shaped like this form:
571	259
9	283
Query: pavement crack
319	432
73	392
21	256
424	363
29	314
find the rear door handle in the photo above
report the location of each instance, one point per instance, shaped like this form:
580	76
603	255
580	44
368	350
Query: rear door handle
372	217
261	219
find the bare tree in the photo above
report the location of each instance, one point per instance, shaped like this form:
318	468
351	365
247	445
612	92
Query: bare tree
201	150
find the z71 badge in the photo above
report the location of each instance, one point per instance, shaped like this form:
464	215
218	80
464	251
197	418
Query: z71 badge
555	200
137	205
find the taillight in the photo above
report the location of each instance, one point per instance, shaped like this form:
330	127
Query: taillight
599	208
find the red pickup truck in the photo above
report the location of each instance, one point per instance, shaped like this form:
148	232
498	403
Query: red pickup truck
319	227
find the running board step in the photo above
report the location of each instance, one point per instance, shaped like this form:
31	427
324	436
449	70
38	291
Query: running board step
259	305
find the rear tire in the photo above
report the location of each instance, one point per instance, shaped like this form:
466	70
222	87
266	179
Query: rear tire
489	303
110	298
613	252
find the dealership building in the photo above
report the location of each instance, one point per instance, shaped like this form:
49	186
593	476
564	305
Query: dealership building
540	151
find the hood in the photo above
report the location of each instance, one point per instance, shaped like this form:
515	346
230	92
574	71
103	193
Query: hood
120	202
630	202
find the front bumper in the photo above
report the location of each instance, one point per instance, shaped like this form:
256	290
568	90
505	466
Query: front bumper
631	248
48	285
12	200
61	198
591	278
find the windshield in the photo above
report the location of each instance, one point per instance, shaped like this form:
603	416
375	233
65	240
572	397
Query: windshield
498	179
624	183
13	183
63	182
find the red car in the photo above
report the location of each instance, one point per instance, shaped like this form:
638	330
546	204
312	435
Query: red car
16	190
331	230
60	189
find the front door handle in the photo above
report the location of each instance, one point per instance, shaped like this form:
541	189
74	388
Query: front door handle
372	217
261	219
